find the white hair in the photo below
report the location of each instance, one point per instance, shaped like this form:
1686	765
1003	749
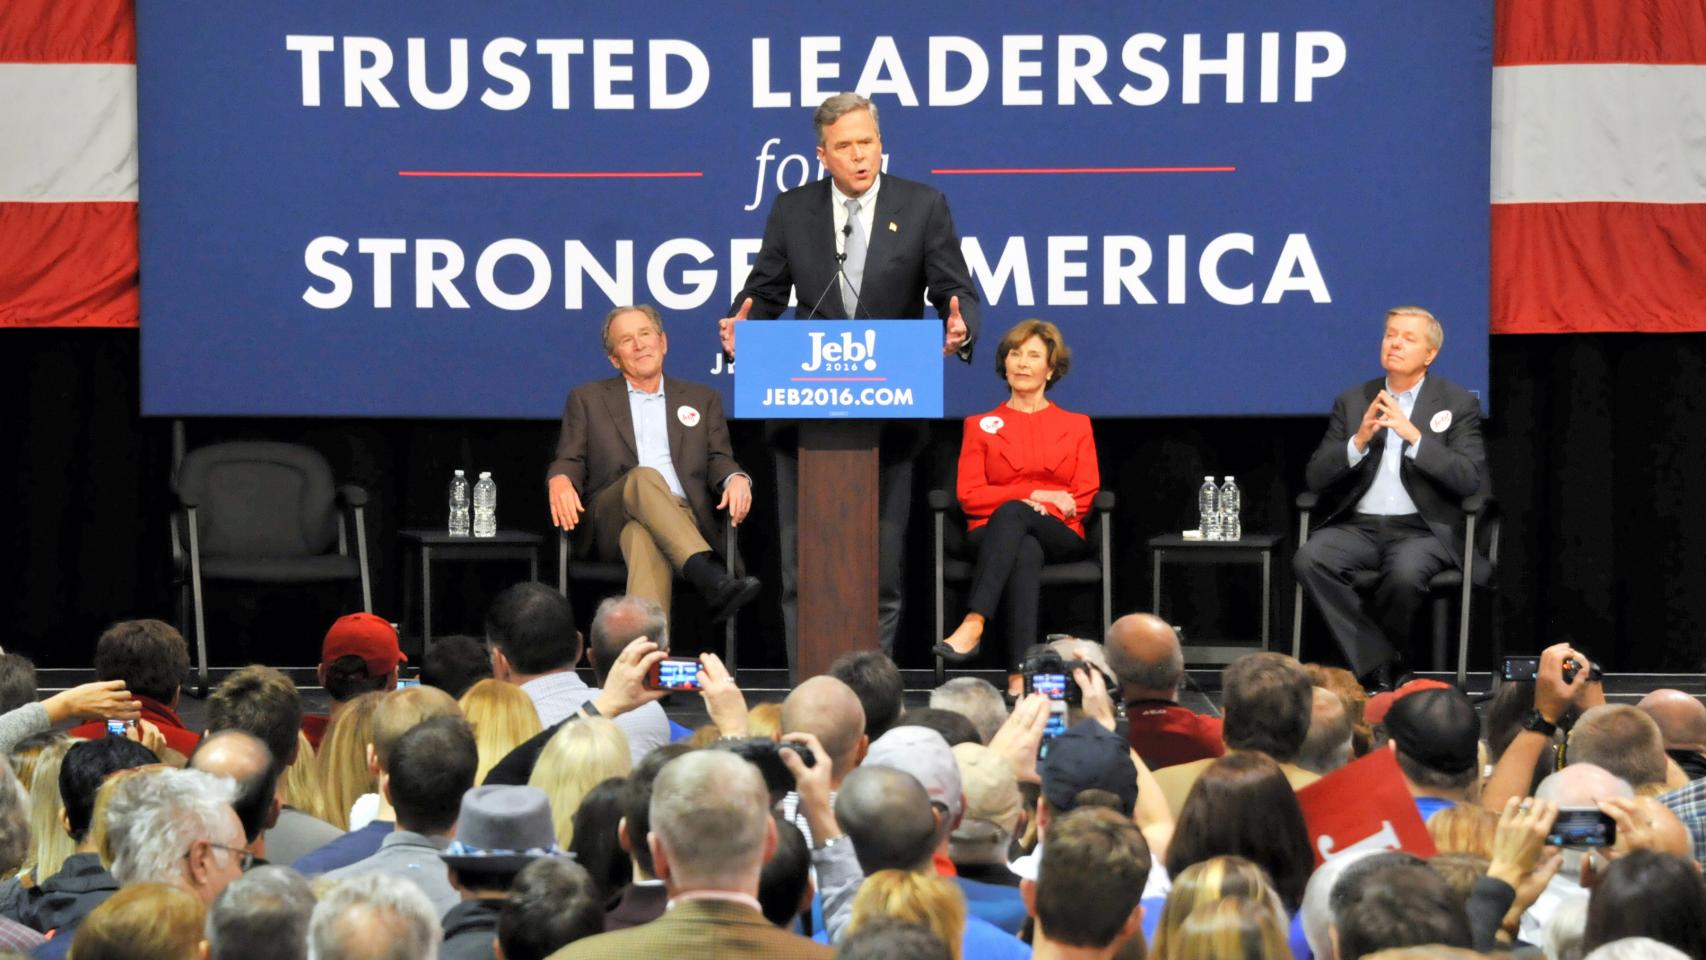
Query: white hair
975	699
1317	909
262	915
710	809
1637	948
154	817
374	916
1562	938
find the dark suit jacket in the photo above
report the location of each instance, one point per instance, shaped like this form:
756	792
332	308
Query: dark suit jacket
640	903
596	446
699	928
920	254
1450	463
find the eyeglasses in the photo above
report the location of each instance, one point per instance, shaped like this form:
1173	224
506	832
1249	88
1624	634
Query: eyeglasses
245	859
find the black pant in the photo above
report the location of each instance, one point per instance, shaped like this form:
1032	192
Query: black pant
1407	554
1011	550
894	504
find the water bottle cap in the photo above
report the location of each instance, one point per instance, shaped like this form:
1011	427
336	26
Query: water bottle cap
459	473
1209	478
485	474
1228	479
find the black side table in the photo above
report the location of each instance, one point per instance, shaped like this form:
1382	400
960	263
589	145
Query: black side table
439	545
1252	548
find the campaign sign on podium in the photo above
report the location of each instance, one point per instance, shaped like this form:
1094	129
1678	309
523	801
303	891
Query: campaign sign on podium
838	369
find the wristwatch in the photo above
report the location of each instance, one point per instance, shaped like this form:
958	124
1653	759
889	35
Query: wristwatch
1539	724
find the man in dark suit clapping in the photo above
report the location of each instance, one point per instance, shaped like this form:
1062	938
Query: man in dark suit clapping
640	459
1400	455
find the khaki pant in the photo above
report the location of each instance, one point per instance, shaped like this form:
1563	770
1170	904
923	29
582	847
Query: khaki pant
653	527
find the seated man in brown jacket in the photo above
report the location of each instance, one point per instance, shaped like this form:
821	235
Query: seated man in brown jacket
639	459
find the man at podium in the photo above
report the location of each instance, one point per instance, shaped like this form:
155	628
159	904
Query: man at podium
640	459
859	245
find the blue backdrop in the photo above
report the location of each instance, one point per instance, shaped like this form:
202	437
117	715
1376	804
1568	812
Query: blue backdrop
1218	200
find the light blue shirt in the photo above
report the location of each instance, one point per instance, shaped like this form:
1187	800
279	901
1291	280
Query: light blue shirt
651	433
1387	497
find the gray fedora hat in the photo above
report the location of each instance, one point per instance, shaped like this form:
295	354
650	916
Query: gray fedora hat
502	828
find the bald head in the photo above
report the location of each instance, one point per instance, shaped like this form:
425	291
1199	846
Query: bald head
1582	785
1328	745
888	817
828	709
244	758
1680	716
1143	651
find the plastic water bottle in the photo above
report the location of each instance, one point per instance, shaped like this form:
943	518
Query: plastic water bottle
486	506
459	505
1208	513
1231	528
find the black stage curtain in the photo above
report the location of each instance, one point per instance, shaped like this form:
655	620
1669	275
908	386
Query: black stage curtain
1597	448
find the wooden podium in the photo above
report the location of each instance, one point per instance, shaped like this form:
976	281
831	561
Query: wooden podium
838	541
839	381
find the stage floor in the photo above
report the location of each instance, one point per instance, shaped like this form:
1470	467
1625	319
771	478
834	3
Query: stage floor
1201	693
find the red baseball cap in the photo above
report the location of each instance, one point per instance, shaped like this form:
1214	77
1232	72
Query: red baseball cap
1375	711
366	636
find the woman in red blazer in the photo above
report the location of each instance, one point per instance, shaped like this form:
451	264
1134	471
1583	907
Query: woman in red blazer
1026	478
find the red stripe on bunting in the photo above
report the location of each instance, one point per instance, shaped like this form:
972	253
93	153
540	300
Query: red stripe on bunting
1599	31
67	31
1599	268
68	264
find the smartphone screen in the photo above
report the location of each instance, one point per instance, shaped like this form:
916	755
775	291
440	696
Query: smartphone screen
116	728
1582	827
676	673
1056	723
403	683
1053	685
1521	668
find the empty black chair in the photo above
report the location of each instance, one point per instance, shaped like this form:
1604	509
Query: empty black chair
262	512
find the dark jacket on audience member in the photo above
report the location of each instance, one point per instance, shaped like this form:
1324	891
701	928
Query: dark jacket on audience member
68	896
351	847
470	927
517	765
640	903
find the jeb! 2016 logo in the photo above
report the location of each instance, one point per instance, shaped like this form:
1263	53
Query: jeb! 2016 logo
842	355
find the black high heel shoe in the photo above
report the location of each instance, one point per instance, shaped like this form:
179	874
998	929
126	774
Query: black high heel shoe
950	655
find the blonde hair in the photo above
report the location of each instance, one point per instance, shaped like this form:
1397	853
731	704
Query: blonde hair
503	718
300	787
52	844
913	897
1464	828
27	754
143	921
578	757
344	775
1231	928
1203	884
765	720
399	711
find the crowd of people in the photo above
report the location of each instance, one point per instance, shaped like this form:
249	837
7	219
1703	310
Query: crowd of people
501	806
